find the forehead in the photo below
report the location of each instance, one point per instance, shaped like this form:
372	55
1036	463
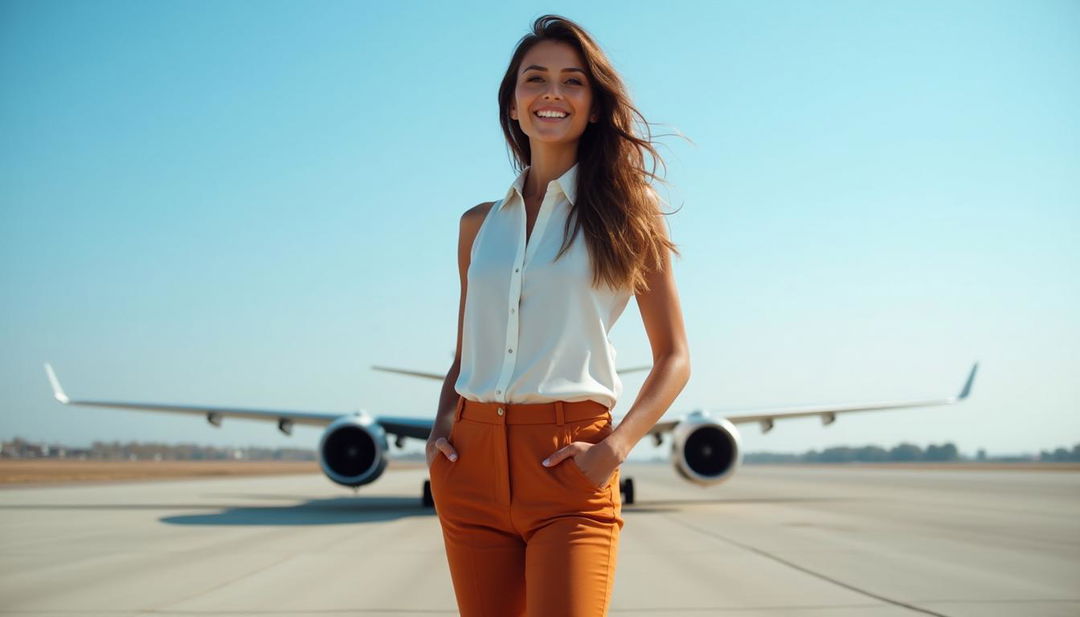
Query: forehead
554	55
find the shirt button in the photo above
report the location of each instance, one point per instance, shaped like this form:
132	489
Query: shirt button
509	351
498	392
511	310
500	411
515	269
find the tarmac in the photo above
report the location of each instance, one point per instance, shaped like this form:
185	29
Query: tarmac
773	541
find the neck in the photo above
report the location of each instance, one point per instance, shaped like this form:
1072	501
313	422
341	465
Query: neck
547	165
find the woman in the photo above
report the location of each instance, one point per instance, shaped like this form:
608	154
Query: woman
523	457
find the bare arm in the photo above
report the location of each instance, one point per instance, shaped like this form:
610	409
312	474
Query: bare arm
662	316
444	417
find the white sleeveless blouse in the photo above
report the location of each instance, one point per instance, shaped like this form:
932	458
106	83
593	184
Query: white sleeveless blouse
535	330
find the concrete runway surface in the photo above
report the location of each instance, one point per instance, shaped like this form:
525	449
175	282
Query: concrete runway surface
773	541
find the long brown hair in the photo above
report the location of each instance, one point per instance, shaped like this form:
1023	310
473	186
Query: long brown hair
618	210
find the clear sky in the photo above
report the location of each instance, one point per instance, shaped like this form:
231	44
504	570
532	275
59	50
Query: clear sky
250	203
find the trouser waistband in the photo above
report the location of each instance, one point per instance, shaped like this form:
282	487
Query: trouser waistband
556	412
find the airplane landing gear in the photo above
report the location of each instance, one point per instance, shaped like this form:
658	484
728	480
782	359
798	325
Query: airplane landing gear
626	485
427	500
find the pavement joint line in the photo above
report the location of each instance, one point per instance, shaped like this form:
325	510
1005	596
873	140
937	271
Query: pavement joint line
763	553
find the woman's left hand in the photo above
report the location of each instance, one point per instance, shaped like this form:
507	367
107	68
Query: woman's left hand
597	461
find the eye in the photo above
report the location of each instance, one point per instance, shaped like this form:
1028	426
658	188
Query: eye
573	79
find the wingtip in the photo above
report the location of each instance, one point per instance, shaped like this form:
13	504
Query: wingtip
58	392
970	380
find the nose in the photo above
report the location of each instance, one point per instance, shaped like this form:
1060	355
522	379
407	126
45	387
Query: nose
552	94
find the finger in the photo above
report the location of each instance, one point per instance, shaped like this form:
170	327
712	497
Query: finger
446	448
555	457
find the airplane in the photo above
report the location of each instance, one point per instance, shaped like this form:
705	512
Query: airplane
353	450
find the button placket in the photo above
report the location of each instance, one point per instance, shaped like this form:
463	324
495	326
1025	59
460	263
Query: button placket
513	299
525	249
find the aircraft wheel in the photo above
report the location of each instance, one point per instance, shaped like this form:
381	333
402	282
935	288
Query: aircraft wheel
627	487
428	501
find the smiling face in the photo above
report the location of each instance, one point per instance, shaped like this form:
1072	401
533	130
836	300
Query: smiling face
552	80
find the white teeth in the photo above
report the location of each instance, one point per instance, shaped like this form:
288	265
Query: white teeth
550	114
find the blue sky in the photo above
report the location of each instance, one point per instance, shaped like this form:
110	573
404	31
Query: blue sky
250	203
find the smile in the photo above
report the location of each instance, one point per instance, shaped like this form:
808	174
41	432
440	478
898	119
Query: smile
551	116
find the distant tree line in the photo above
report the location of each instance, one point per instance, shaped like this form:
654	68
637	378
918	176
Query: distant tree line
903	452
134	450
1061	455
150	451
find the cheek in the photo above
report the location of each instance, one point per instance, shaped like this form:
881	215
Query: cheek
584	106
522	99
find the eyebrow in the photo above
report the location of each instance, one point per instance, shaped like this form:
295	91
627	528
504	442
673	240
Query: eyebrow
544	68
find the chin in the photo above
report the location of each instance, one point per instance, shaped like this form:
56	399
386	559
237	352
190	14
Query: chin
554	139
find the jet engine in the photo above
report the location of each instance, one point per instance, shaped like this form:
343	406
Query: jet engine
705	450
352	450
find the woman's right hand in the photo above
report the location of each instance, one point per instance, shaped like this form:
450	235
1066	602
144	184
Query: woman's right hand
440	446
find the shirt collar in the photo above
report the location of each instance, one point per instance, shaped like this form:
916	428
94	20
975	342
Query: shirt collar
567	182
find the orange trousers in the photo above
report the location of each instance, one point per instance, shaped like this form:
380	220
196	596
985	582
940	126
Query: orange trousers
523	539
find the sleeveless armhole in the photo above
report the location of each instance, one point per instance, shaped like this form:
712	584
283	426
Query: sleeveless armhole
480	232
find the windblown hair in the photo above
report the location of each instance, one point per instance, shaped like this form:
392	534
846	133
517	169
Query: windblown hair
615	205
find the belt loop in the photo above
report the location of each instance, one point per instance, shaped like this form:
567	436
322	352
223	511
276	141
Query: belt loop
459	408
560	413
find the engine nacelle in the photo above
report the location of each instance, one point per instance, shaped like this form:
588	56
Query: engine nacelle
705	449
352	450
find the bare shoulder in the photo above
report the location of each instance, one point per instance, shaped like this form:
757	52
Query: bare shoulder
473	218
477	212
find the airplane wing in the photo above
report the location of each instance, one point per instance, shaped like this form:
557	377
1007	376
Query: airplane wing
213	413
827	412
403	426
402	371
419	428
